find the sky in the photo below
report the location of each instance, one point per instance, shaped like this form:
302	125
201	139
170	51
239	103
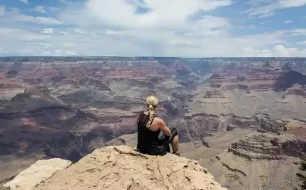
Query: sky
176	28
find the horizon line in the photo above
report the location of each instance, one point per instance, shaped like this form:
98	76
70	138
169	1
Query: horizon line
173	57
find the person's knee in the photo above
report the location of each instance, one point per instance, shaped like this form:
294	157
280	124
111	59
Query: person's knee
174	134
175	139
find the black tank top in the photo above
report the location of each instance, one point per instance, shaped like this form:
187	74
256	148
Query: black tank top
147	140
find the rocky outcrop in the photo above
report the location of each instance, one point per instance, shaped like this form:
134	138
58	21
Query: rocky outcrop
269	147
36	173
295	147
296	90
274	140
200	123
260	147
214	93
120	167
266	124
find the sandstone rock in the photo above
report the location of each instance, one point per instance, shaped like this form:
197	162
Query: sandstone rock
214	93
258	147
201	123
37	173
257	78
120	167
269	146
296	90
269	125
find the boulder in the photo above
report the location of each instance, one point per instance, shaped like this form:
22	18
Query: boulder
37	173
121	167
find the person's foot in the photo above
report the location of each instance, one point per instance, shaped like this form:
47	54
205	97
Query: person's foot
176	153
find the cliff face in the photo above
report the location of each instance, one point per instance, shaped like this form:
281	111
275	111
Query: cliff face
67	107
296	90
119	168
274	140
198	124
257	78
266	158
268	147
34	121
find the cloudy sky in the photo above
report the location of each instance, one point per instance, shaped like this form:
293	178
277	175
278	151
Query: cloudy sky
184	28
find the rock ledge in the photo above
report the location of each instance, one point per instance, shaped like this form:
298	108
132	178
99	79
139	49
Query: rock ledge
121	167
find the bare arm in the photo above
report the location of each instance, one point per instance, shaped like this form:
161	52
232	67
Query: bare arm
163	127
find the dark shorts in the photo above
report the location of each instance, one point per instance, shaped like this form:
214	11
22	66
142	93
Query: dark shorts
173	134
164	145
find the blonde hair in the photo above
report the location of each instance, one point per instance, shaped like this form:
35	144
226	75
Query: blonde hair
152	103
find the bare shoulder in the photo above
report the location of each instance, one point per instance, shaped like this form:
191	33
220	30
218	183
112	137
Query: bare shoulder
160	121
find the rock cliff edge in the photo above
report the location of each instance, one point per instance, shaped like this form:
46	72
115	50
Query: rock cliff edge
121	167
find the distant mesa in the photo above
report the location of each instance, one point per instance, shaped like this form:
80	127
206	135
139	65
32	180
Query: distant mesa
257	78
296	90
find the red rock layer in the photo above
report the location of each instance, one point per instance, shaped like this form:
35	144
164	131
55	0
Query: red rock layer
255	78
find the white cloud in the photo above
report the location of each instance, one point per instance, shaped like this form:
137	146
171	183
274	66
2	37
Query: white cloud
298	32
276	51
271	7
53	9
288	21
2	10
102	11
48	31
39	20
289	52
250	51
168	28
157	31
70	53
14	15
263	11
23	1
86	42
302	43
40	9
292	3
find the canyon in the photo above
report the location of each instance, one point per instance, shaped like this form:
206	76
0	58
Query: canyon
240	118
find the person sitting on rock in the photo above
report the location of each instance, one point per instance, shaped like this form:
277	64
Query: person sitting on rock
154	136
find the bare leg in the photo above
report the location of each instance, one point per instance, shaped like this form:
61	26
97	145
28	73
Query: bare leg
175	144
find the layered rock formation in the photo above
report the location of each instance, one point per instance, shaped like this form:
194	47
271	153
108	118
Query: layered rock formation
256	155
67	107
34	121
122	168
257	78
239	173
261	147
295	90
214	93
266	124
200	123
